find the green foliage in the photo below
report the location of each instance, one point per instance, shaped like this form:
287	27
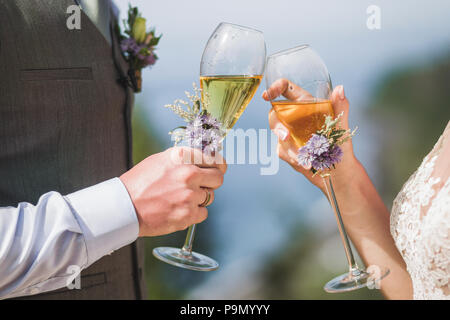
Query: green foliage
155	40
297	274
412	108
333	132
298	271
133	13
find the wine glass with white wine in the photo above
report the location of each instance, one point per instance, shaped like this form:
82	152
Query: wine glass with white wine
231	71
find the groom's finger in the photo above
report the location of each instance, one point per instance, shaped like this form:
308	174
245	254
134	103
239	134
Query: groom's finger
204	196
200	195
211	178
213	161
200	215
186	155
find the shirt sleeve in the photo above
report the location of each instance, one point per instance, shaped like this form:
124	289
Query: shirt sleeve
42	245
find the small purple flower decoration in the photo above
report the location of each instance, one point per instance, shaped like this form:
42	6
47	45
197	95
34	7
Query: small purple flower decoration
140	52
318	144
322	150
305	158
308	157
327	159
336	154
129	45
205	133
150	60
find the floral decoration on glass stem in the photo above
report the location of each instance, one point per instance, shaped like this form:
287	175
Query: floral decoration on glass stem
322	151
138	46
202	131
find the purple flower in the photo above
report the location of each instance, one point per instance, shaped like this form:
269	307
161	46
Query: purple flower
305	157
130	45
150	60
335	154
318	144
205	133
319	154
210	121
141	51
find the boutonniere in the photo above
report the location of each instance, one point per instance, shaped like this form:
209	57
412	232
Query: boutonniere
138	46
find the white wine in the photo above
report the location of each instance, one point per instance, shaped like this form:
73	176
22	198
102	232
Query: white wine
226	97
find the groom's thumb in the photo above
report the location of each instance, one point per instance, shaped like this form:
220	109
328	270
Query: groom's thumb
340	104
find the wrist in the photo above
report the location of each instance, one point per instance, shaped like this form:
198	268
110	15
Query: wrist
124	179
347	175
351	188
106	217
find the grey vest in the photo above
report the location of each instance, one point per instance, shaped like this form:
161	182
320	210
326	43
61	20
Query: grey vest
65	124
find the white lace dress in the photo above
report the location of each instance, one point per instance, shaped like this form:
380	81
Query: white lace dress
420	223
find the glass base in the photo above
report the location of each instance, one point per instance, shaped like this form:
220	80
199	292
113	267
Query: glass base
356	279
183	259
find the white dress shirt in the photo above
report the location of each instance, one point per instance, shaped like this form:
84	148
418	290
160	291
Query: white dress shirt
39	243
99	13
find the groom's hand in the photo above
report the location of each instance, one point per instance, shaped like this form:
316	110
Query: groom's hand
168	188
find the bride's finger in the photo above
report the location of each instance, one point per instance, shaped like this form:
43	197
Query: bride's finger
287	148
277	127
286	153
286	88
340	104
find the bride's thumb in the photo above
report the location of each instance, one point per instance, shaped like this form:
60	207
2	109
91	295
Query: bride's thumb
340	104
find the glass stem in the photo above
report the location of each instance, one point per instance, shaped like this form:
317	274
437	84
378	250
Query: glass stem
353	267
187	248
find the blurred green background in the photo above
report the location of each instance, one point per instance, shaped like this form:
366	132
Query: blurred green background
275	236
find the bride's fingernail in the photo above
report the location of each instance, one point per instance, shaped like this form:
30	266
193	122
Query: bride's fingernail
341	92
281	133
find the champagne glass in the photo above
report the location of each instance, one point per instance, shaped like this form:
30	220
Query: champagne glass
231	70
302	107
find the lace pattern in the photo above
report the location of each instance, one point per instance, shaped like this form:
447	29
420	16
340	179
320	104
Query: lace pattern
420	225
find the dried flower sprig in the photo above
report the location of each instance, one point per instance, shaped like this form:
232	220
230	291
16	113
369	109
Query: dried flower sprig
323	151
183	109
202	131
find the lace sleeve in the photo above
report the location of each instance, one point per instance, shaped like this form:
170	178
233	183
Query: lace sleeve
420	223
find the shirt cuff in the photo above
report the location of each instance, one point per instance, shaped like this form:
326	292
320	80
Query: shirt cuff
106	216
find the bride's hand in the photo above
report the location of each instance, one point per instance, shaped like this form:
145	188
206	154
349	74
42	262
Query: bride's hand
287	150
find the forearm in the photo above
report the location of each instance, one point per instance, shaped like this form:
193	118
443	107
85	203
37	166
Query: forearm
366	219
39	243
